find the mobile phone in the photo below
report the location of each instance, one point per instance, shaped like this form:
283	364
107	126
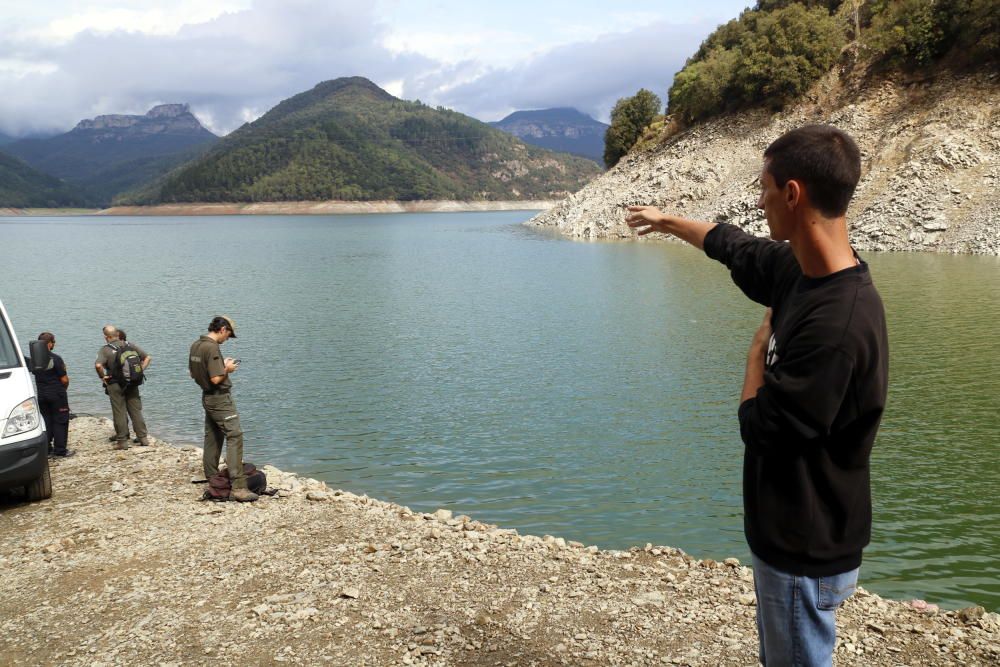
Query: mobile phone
237	361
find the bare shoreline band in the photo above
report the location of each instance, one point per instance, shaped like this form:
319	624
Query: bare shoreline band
294	208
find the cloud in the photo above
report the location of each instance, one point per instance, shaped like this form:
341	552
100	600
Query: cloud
233	66
590	75
238	63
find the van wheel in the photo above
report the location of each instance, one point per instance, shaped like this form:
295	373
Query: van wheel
41	488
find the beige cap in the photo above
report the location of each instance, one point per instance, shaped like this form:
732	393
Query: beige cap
232	325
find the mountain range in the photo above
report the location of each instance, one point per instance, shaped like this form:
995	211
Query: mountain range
559	129
107	155
348	139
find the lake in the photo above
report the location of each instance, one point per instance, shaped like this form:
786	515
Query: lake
587	390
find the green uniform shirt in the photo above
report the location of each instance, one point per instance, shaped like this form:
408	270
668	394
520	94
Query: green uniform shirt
205	362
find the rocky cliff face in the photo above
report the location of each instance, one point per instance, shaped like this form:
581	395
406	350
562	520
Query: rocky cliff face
930	158
165	118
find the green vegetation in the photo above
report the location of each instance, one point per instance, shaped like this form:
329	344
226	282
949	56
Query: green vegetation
629	119
911	33
23	187
771	54
349	139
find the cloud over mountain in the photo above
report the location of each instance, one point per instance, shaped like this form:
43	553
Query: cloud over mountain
237	64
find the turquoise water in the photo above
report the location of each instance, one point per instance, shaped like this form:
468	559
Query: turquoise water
466	361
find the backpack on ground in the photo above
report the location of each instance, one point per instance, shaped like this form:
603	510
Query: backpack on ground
220	486
126	366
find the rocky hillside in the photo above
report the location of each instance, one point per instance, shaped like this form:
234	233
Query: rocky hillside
561	129
931	167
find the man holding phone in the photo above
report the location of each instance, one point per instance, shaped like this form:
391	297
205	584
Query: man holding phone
211	372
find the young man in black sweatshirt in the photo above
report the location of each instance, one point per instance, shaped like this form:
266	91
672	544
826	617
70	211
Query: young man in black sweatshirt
814	389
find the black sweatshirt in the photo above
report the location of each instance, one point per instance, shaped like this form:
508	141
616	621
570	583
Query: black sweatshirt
809	430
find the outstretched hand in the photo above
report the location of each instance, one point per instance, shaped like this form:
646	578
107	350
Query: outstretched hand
648	217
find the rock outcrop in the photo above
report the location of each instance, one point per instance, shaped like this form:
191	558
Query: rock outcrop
125	566
930	158
176	118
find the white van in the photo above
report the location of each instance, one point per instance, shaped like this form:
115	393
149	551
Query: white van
24	444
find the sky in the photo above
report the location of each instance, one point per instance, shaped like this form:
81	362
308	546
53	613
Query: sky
232	60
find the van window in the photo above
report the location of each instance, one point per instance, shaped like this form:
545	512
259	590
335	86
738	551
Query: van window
8	353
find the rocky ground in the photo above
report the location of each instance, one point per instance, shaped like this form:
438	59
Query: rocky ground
930	158
124	565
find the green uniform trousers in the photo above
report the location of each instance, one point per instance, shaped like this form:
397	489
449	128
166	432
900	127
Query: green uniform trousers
126	404
222	422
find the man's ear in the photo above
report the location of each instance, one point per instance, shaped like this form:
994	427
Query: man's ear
794	194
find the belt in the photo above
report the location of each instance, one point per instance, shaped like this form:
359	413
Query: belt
216	391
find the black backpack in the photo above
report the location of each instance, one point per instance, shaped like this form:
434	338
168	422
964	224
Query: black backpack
219	484
126	366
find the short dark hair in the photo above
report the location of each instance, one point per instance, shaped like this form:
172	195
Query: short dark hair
217	323
121	335
47	337
824	158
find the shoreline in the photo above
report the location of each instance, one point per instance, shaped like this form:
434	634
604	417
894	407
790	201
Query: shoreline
125	566
292	208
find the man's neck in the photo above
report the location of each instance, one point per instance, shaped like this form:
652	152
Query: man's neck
214	336
822	247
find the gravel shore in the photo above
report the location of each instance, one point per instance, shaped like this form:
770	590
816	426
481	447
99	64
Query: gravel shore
125	566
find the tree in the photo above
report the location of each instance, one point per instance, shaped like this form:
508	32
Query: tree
630	117
787	50
702	89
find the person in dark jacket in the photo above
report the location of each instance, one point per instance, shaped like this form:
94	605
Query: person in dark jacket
814	388
53	400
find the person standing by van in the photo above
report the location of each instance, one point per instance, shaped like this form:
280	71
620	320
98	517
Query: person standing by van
211	372
53	400
126	403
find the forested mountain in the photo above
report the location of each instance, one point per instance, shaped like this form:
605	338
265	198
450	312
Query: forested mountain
559	129
6	139
23	187
111	154
348	139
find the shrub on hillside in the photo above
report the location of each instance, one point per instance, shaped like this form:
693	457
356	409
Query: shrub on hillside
629	119
763	58
915	33
785	52
771	54
703	88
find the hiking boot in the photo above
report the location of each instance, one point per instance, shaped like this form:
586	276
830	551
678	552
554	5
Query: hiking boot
243	495
142	443
120	445
64	455
112	438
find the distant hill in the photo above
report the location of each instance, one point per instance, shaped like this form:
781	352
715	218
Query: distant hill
560	129
6	139
111	154
23	187
348	139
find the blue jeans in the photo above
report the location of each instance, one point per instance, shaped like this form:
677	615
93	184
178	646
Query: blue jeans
796	615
